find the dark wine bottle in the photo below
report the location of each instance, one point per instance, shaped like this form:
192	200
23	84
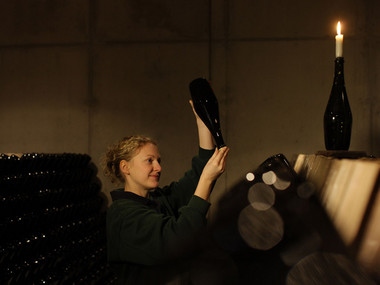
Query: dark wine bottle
206	106
338	118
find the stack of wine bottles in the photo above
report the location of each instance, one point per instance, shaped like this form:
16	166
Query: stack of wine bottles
52	221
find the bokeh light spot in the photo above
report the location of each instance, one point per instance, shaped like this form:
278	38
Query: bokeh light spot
280	184
260	229
326	268
261	196
269	177
305	190
250	176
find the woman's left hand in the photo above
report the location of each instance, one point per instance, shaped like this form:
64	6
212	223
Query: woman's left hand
213	169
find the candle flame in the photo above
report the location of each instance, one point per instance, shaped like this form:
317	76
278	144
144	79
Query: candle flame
338	28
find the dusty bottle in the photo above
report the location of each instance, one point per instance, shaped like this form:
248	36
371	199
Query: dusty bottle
338	118
206	106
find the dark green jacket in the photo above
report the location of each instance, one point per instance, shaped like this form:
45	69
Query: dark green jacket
146	235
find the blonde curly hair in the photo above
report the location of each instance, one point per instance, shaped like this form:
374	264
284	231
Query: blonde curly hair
124	149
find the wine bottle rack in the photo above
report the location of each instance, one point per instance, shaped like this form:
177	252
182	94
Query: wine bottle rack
52	220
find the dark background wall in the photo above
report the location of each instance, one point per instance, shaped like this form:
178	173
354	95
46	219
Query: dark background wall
76	75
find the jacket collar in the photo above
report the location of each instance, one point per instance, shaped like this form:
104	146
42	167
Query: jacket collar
120	194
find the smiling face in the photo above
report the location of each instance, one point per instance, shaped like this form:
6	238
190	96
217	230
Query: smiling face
142	172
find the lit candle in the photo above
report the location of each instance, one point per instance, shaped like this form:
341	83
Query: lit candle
338	41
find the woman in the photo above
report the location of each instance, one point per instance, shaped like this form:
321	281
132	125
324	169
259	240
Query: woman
152	231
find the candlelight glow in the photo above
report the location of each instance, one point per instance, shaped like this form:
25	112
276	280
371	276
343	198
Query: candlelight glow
338	28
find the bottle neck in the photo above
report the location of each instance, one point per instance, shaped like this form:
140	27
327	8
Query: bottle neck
339	71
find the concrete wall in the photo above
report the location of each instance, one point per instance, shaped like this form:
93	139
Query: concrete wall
77	75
